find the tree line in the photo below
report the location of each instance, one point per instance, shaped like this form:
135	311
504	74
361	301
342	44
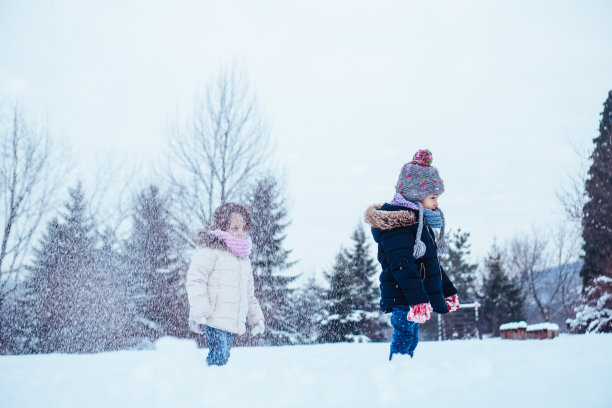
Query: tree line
73	281
561	274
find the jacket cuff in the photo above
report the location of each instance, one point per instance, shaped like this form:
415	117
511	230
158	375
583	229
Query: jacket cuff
416	297
449	290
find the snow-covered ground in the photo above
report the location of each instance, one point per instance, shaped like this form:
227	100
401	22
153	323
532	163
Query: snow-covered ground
569	371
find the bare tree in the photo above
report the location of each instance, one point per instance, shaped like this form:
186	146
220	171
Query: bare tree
565	254
28	180
527	260
218	151
572	196
109	199
548	270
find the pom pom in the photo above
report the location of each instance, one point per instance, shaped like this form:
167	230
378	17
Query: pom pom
442	247
419	249
422	158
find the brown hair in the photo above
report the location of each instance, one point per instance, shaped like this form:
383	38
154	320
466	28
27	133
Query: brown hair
221	216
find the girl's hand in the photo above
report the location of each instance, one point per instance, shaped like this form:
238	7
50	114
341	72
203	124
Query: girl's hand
420	313
258	328
452	303
197	326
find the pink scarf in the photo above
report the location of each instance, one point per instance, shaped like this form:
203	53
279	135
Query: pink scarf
241	247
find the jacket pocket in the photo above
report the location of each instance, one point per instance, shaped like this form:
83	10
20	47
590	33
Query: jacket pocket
423	271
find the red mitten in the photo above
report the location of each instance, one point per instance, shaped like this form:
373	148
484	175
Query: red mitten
452	303
420	313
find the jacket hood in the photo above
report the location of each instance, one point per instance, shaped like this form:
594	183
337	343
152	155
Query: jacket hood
207	239
390	218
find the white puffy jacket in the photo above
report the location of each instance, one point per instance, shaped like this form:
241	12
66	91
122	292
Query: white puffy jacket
221	291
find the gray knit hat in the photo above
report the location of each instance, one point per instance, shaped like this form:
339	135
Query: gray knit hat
417	180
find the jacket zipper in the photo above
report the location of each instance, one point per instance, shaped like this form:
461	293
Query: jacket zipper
217	297
436	247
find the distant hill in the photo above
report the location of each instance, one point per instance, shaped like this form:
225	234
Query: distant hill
545	288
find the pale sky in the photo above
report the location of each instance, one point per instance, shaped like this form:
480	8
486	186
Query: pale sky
501	92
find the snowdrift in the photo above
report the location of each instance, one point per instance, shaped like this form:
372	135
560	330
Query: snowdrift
568	371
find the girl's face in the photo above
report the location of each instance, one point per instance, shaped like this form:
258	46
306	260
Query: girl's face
237	226
430	202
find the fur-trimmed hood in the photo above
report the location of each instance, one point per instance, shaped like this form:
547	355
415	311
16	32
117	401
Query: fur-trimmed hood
207	239
387	220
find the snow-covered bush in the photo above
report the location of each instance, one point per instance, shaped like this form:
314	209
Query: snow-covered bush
594	310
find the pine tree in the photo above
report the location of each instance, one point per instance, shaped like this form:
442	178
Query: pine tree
364	269
308	304
352	298
339	322
43	290
501	295
594	309
155	275
115	301
459	270
66	290
15	330
270	262
597	212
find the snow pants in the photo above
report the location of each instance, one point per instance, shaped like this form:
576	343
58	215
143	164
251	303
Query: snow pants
219	344
405	332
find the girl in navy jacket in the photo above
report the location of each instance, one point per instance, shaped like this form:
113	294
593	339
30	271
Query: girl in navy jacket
412	282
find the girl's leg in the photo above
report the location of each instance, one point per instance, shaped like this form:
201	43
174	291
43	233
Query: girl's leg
227	339
213	345
405	333
219	343
415	339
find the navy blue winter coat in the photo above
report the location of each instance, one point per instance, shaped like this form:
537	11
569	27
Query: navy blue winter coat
405	280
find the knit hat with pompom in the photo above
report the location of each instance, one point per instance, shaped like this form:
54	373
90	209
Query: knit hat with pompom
417	180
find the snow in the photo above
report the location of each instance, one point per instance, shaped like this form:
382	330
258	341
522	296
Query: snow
594	309
529	328
543	326
569	371
513	325
469	305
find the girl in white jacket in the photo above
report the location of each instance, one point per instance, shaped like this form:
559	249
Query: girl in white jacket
220	282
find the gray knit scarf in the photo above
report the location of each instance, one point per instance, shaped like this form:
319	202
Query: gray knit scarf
419	245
